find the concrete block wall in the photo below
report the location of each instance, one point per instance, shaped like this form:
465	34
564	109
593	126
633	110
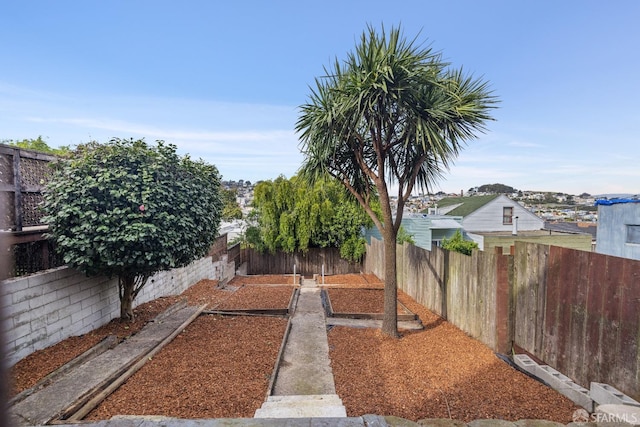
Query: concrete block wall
45	308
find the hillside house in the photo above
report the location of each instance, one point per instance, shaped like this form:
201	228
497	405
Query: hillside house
497	221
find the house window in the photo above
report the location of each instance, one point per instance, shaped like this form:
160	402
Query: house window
633	234
507	215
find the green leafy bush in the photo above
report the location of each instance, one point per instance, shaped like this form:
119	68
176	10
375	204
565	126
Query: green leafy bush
128	209
458	244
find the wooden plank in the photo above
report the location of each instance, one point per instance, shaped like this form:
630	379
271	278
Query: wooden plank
541	295
577	288
596	279
566	287
611	316
549	343
503	310
626	373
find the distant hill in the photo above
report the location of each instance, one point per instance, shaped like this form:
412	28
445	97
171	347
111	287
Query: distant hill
496	189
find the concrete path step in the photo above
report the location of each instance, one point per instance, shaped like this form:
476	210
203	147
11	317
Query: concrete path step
309	282
305	406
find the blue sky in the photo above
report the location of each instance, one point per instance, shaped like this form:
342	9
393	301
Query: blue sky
224	80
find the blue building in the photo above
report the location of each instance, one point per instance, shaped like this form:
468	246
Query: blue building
619	228
426	230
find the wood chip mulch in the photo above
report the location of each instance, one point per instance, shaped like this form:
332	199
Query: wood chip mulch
353	300
220	366
439	372
271	279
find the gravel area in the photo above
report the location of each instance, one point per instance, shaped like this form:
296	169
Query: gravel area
220	366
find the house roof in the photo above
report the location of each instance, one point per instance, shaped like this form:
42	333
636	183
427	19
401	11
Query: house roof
467	206
444	224
571	227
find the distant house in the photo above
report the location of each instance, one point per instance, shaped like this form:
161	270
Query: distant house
619	228
426	230
497	221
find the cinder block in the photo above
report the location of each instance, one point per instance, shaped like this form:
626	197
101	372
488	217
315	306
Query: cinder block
54	335
25	295
80	295
526	363
605	394
20	319
16	308
63	272
18	332
40	279
565	386
613	414
78	316
93	319
67	309
90	302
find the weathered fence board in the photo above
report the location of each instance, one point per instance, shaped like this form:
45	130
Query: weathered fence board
590	329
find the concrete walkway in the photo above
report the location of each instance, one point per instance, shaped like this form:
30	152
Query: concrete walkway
304	385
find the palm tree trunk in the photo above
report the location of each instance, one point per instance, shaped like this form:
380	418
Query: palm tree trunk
390	319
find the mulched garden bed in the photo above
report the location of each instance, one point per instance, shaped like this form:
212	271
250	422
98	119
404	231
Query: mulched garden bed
220	366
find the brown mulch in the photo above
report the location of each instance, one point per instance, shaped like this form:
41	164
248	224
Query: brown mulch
351	300
353	280
439	372
220	366
255	297
271	279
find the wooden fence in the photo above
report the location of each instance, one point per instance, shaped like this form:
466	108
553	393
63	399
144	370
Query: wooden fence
306	263
580	312
469	291
577	311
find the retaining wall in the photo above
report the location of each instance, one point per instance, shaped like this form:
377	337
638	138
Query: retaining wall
44	308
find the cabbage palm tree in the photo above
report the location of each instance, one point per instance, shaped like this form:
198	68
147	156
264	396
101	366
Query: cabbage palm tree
391	117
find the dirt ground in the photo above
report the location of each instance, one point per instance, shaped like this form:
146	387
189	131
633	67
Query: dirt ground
220	366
